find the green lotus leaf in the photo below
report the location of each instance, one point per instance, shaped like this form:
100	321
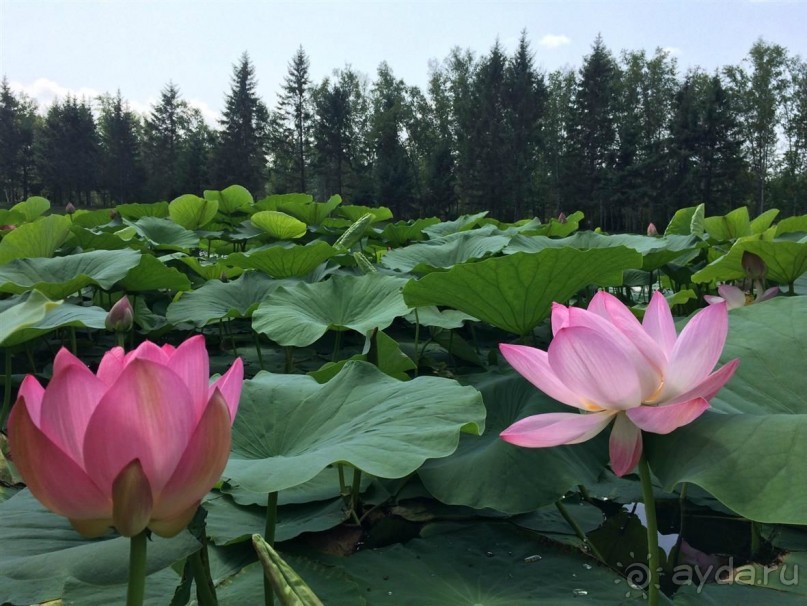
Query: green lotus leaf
463	223
279	225
218	300
687	221
655	251
751	463
289	428
445	252
11	217
388	358
488	472
19	313
733	225
138	211
398	234
192	212
306	210
153	274
789	225
786	261
208	270
165	234
88	239
231	199
431	316
40	238
285	261
355	212
65	315
557	229
40	552
491	564
32	208
298	315
515	293
60	277
770	339
228	522
275	201
762	222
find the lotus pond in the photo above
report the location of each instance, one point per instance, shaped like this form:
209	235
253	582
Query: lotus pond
381	361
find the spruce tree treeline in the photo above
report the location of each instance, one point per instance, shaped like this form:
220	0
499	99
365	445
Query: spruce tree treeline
626	138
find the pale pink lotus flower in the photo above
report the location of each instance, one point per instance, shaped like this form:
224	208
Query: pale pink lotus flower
736	297
135	445
640	376
651	229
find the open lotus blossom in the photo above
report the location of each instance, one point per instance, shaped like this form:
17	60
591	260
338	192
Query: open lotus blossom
737	297
640	376
135	445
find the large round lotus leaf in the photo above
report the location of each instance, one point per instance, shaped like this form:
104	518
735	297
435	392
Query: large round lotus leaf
22	313
488	472
655	251
305	209
462	223
165	234
516	292
289	428
786	261
398	234
218	300
88	592
489	564
139	210
285	262
153	274
40	552
228	522
354	212
61	316
751	463
687	221
278	225
445	252
88	239
732	225
33	207
330	584
231	199
791	224
38	239
299	315
275	201
9	217
192	212
60	277
770	339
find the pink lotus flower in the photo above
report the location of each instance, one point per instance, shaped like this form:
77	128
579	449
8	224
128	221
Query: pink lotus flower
736	297
640	376
651	230
136	445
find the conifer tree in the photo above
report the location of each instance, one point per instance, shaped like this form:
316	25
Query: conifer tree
121	168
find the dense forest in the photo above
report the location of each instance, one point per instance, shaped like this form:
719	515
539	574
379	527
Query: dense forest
625	138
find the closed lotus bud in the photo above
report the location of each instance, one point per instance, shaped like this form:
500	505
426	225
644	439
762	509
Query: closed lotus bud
69	209
754	266
113	214
7	227
562	218
651	230
121	317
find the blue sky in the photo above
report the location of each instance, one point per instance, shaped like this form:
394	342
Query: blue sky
48	48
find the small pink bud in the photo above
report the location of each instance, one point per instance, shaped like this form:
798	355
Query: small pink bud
754	266
651	230
121	317
69	209
7	227
562	217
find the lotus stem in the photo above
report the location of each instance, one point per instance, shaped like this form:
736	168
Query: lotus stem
205	590
73	341
577	530
137	569
355	491
342	487
269	537
653	586
258	349
417	342
289	359
337	342
6	389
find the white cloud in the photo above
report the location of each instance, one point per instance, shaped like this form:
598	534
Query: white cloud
554	41
45	92
673	51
